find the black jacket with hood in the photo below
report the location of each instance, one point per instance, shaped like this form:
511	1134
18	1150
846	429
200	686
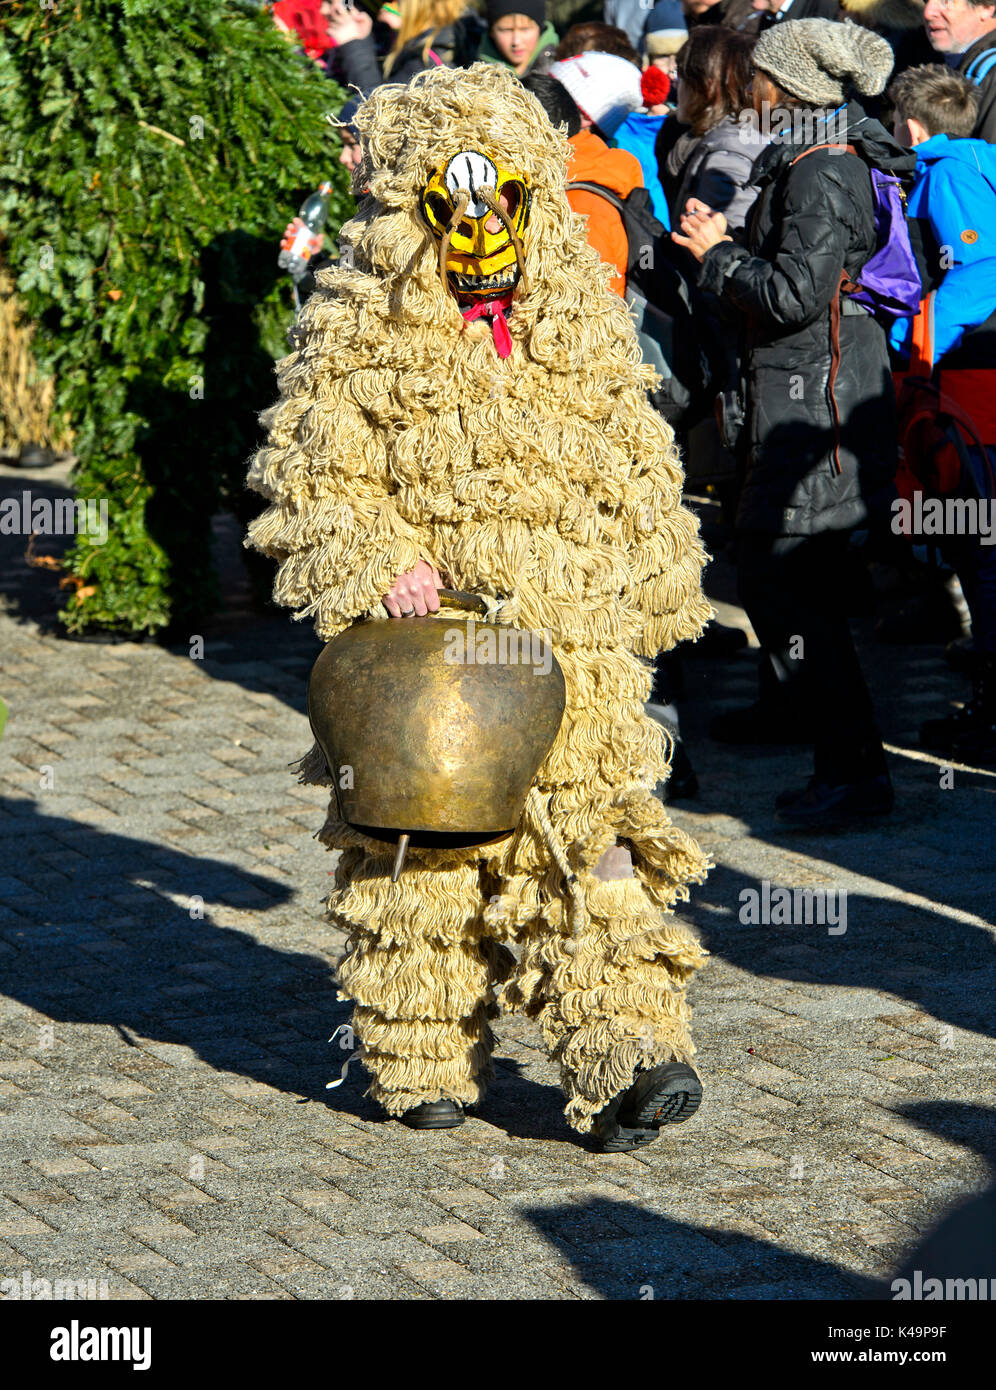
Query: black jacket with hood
820	413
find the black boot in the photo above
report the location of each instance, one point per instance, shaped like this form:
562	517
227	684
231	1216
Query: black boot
970	727
975	739
434	1114
666	1095
939	735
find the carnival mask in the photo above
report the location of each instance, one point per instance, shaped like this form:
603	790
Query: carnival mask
477	213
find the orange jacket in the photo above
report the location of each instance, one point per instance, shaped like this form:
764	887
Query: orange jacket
596	162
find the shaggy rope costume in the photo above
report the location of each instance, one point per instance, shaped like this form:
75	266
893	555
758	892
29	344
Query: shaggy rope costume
544	481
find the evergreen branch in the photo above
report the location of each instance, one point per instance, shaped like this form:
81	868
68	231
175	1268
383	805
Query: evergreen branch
203	274
193	182
175	138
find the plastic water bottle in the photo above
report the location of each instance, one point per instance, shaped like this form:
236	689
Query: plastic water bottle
314	212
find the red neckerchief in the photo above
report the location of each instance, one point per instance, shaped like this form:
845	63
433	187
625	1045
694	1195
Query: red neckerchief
495	310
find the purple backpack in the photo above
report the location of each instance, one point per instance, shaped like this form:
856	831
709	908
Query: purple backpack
890	281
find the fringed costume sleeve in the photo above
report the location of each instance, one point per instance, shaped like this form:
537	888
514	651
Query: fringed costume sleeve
335	524
662	543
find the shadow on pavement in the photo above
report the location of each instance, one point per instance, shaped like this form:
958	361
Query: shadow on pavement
117	945
624	1252
962	1244
937	949
941	964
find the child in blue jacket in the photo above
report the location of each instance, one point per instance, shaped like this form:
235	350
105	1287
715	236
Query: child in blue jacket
954	198
954	201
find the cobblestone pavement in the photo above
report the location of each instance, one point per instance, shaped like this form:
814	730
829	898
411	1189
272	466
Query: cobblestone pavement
166	1126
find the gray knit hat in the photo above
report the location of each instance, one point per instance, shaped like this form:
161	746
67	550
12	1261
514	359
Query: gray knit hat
816	59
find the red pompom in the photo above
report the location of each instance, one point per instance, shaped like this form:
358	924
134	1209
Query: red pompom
655	86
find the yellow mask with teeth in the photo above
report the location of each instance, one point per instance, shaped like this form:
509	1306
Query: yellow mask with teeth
478	213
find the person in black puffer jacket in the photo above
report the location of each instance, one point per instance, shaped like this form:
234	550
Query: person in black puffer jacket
821	429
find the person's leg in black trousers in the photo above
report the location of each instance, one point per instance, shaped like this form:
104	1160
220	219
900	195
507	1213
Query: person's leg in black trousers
779	715
792	589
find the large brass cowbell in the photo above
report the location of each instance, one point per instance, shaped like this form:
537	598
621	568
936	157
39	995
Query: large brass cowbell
423	739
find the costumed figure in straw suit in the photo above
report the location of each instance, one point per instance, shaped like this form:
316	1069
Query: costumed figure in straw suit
467	405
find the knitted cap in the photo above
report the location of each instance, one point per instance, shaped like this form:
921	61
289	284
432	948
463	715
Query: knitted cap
501	9
666	30
816	60
605	88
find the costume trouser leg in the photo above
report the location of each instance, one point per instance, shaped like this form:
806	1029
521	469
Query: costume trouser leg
612	1000
420	968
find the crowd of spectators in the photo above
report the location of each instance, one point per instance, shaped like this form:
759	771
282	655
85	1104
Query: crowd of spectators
792	164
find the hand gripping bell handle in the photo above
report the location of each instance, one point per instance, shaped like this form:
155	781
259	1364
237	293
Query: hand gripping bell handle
460	598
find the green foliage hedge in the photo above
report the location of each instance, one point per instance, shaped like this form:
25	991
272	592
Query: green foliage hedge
151	153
